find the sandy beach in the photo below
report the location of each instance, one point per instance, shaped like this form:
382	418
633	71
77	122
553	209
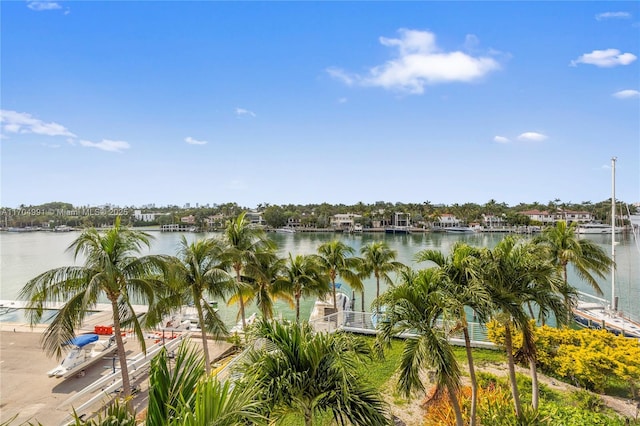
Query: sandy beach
29	395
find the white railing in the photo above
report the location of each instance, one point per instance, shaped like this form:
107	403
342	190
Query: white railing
365	323
112	382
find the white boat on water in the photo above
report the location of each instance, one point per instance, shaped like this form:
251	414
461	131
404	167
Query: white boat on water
87	349
461	229
597	228
286	230
600	314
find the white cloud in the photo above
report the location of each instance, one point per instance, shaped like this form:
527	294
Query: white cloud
626	94
341	75
501	139
532	136
244	112
107	145
419	62
39	6
21	122
192	141
605	58
613	15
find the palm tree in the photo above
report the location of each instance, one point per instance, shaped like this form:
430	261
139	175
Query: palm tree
415	307
564	247
378	259
303	277
110	269
517	275
195	276
335	258
244	246
181	395
309	373
261	277
461	267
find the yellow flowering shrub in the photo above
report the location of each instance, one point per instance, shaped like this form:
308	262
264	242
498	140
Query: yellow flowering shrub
587	358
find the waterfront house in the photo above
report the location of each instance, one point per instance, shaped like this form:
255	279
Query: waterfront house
446	220
493	221
144	217
548	218
255	218
191	219
344	221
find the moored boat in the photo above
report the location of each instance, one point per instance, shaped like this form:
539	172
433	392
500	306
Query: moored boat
286	230
600	314
597	228
87	349
461	229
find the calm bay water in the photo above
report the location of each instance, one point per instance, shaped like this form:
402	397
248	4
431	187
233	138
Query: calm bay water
25	255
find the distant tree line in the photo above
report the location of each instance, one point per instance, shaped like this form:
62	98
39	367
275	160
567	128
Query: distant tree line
309	215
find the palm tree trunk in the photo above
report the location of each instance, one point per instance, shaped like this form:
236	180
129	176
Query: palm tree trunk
297	308
453	397
239	283
362	301
308	417
534	383
567	302
335	297
122	356
508	343
377	294
472	375
203	333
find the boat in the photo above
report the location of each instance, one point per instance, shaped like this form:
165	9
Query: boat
286	230
248	321
597	228
460	229
87	349
184	319
603	314
324	317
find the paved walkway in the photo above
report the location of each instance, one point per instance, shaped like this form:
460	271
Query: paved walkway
28	393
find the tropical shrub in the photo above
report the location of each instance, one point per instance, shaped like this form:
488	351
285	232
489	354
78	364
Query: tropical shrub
592	359
495	408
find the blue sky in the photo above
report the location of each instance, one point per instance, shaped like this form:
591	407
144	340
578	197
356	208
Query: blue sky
132	103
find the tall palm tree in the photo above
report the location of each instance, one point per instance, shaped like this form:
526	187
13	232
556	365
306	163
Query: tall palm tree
303	277
461	267
111	269
244	246
378	260
196	276
261	278
564	247
415	307
336	259
516	275
308	373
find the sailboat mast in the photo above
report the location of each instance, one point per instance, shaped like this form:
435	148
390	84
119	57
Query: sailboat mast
614	299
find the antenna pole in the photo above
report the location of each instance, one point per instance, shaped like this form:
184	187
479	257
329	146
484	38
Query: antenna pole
614	301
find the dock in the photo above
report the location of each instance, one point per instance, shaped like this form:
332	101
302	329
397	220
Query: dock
29	395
